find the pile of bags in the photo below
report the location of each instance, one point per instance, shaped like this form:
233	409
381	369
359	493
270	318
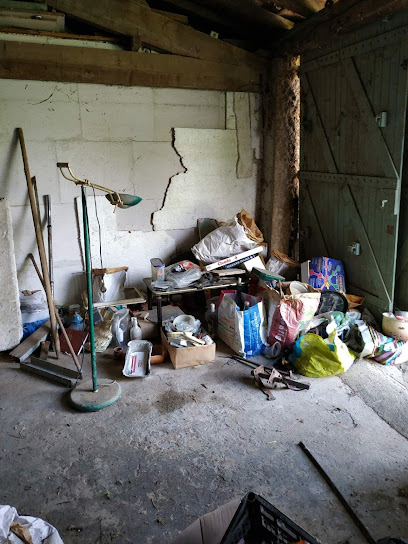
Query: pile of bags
320	332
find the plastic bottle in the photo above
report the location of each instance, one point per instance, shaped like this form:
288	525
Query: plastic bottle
77	323
246	305
212	322
135	331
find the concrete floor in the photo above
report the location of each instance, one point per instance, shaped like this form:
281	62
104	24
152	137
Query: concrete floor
180	443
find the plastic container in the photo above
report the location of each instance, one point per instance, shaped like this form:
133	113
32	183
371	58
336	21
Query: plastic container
137	360
397	327
158	270
256	521
212	321
135	331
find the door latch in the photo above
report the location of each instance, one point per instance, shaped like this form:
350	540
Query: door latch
354	248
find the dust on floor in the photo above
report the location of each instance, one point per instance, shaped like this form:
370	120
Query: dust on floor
181	443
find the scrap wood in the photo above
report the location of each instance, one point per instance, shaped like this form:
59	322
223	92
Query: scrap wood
21	532
31	343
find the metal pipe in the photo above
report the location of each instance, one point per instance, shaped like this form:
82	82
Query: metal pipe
339	495
47	199
89	288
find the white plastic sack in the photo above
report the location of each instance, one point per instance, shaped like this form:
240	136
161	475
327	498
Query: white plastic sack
108	287
137	361
223	242
40	531
243	331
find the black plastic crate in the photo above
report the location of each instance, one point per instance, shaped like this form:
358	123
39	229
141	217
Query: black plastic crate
258	522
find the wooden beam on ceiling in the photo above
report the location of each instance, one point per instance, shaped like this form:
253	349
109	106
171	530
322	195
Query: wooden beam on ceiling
302	7
248	13
20	60
155	31
342	17
183	19
202	12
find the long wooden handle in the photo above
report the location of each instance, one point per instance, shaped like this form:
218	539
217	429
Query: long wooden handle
60	323
40	244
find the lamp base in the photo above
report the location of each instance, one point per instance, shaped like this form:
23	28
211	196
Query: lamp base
84	399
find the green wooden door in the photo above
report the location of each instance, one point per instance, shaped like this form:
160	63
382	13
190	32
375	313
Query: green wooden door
352	136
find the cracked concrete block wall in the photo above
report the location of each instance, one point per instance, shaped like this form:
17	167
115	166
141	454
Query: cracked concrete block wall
122	138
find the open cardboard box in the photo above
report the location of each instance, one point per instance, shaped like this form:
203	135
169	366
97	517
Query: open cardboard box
183	357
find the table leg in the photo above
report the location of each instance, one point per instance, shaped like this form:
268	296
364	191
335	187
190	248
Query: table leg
149	299
159	313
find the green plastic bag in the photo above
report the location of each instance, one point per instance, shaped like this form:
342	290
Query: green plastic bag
318	358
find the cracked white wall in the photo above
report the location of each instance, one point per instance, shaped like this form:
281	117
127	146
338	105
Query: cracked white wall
122	137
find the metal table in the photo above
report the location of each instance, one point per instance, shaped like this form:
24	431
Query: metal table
220	284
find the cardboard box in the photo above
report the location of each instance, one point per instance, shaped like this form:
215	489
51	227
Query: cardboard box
183	357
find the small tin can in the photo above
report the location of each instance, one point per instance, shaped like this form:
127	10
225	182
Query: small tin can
158	270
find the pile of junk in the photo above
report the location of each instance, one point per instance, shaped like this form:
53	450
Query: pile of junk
298	316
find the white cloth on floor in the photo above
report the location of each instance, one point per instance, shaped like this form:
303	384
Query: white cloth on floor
40	531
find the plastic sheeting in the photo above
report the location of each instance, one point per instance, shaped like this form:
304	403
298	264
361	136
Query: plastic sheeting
40	531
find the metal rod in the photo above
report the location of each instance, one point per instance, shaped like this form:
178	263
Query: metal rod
57	316
49	230
40	243
339	495
89	288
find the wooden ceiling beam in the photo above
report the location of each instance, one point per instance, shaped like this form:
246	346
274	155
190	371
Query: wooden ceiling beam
155	31
248	13
21	60
302	7
342	17
202	12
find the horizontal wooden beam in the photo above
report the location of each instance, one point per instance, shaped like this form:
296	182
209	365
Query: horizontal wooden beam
302	7
85	65
155	31
342	17
248	14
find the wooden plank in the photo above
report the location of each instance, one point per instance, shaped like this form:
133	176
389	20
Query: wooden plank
316	227
242	10
361	47
156	31
64	35
183	19
32	19
84	65
302	7
337	19
361	181
361	235
368	119
30	344
321	133
207	14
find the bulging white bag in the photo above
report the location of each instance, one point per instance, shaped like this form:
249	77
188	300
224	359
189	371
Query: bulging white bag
223	242
108	284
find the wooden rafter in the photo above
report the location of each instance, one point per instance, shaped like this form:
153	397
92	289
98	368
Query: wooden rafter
344	16
203	12
302	7
40	62
156	31
248	12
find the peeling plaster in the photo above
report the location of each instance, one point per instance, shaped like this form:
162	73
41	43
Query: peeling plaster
209	186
